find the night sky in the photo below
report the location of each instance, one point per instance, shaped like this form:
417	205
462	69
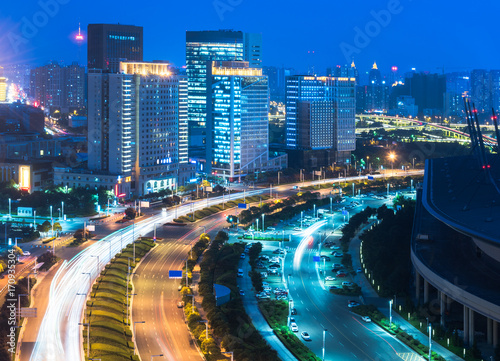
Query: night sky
425	34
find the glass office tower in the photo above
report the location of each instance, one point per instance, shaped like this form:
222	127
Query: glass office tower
203	47
238	122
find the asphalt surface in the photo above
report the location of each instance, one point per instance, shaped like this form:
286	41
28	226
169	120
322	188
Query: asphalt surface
347	336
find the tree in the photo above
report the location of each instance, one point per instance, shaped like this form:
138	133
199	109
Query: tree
57	227
44	227
130	213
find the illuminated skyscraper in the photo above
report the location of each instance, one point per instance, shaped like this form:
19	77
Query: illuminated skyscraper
138	126
110	44
203	47
3	87
320	115
238	122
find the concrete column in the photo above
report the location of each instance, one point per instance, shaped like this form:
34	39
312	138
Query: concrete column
466	324
489	330
417	286
471	326
442	305
495	333
426	291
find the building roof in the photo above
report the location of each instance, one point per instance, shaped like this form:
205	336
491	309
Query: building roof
460	193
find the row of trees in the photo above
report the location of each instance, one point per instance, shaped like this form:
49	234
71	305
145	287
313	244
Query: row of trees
230	322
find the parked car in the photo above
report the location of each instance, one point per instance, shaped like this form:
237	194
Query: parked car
359	270
305	336
347	284
326	258
180	304
26	253
334	287
294	311
334	247
338	254
242	293
294	327
242	256
352	304
336	266
367	319
330	278
263	274
341	274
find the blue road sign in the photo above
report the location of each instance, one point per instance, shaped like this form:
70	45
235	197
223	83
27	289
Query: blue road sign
173	274
316	258
370	177
344	212
242	205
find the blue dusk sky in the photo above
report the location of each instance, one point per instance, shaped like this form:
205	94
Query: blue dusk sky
422	34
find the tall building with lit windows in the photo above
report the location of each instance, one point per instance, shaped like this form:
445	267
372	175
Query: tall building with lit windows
138	126
237	122
320	120
203	47
3	87
110	44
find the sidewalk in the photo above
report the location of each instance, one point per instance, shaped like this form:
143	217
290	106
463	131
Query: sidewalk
258	320
371	297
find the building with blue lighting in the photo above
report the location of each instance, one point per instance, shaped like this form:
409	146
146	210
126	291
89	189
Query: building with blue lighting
320	120
203	47
238	121
138	126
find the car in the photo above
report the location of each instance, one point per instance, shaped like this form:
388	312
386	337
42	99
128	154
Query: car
341	274
242	256
179	288
336	266
281	297
294	311
242	293
295	187
264	257
334	247
180	304
275	260
305	336
267	288
334	287
330	278
326	258
292	319
264	296
274	265
294	327
264	284
352	304
347	284
273	271
297	229
359	270
367	319
338	254
263	274
26	253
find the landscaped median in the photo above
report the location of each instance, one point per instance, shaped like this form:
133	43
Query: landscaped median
276	315
208	211
110	334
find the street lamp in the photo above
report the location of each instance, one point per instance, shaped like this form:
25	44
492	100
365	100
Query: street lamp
392	157
135	323
62	209
88	336
430	341
10	208
279	177
263	227
324	339
206	328
154	235
85	308
390	313
97	265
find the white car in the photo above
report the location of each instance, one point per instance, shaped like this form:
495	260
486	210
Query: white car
26	253
334	247
305	336
294	327
330	278
367	319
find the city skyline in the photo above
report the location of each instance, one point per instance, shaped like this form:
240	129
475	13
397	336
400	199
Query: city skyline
390	33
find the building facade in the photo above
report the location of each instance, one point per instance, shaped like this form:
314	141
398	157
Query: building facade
110	44
238	121
203	47
320	115
137	124
55	86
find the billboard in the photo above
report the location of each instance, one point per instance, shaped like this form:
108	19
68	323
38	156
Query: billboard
144	204
242	205
25	211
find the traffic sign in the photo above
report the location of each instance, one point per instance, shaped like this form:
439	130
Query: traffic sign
242	205
174	274
316	258
370	177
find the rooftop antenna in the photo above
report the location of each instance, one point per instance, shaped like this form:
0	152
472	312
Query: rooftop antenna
79	40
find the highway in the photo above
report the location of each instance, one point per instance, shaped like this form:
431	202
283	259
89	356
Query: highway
59	337
347	336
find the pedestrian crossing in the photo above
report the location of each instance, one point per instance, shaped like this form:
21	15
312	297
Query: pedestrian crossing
410	356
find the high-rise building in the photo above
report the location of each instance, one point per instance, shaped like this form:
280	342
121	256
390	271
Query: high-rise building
238	121
138	126
320	115
457	88
110	44
375	77
277	77
344	71
203	47
19	75
480	90
54	86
